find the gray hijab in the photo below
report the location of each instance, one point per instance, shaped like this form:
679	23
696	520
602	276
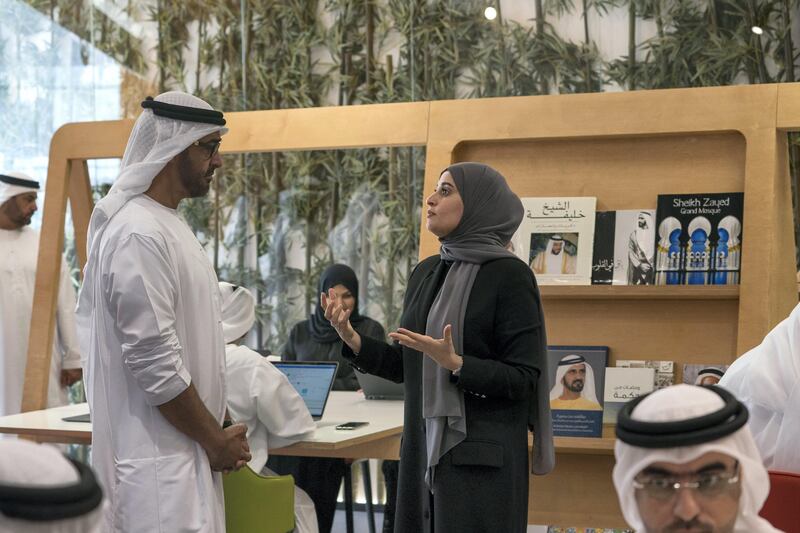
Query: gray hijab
492	213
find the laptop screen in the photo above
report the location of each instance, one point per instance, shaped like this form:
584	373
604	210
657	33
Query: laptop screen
313	381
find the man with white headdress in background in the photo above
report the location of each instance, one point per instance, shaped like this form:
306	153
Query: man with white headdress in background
767	380
43	491
150	327
642	251
19	247
261	396
574	387
554	259
686	461
709	375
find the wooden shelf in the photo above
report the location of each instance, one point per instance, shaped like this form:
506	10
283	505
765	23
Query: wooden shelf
639	292
585	445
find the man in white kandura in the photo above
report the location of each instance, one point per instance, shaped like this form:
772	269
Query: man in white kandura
260	396
642	251
19	248
150	326
554	259
767	380
686	461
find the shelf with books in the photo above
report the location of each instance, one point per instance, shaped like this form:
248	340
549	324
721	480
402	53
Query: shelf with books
639	292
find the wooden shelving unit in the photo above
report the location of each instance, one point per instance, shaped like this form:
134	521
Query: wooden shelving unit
625	149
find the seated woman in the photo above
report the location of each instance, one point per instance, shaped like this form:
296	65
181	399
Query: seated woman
316	340
261	397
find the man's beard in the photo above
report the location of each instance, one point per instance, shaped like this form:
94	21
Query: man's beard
18	218
680	525
575	386
193	180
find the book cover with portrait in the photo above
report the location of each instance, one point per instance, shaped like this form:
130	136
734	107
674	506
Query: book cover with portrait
624	247
623	385
710	374
556	238
577	382
699	239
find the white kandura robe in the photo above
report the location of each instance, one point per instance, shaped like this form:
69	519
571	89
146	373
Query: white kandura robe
157	329
260	396
18	256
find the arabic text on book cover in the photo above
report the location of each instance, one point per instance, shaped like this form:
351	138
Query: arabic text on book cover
556	238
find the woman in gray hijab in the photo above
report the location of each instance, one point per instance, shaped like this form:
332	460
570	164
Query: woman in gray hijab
471	351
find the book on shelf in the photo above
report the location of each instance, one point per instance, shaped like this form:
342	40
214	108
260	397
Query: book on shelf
624	247
556	239
703	374
577	381
623	385
664	370
699	238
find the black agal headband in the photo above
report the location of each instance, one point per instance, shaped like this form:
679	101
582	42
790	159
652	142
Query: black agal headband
693	431
45	504
11	180
572	360
182	112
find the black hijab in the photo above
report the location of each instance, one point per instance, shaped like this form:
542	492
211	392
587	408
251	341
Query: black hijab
318	326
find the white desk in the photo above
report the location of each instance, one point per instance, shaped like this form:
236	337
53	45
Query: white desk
379	439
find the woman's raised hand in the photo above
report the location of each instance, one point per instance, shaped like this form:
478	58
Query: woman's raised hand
339	317
440	350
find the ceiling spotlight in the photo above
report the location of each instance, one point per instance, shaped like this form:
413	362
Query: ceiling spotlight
490	13
757	30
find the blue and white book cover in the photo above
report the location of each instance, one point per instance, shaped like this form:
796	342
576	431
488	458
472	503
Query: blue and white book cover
577	382
699	239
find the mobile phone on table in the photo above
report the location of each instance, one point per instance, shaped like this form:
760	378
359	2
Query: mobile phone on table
351	425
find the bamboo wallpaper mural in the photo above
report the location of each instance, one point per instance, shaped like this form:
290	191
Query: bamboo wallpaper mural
274	221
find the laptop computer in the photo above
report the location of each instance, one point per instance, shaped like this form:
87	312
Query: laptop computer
377	388
312	380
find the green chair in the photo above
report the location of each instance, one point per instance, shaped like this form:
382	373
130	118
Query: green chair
258	504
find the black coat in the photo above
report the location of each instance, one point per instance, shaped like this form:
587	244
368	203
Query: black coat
301	346
481	485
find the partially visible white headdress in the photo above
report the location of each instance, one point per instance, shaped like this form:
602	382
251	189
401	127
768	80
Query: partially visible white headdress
15	183
238	311
72	498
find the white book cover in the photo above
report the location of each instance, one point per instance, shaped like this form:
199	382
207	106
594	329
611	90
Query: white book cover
665	370
623	385
556	239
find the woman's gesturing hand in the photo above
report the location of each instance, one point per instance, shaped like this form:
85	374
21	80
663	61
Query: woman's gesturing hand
339	317
440	350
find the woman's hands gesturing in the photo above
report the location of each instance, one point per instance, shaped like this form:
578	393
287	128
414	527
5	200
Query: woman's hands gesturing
339	317
440	350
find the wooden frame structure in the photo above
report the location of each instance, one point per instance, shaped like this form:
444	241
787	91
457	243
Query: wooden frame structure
623	148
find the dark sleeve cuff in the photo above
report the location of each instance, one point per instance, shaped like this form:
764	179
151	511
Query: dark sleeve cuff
363	359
